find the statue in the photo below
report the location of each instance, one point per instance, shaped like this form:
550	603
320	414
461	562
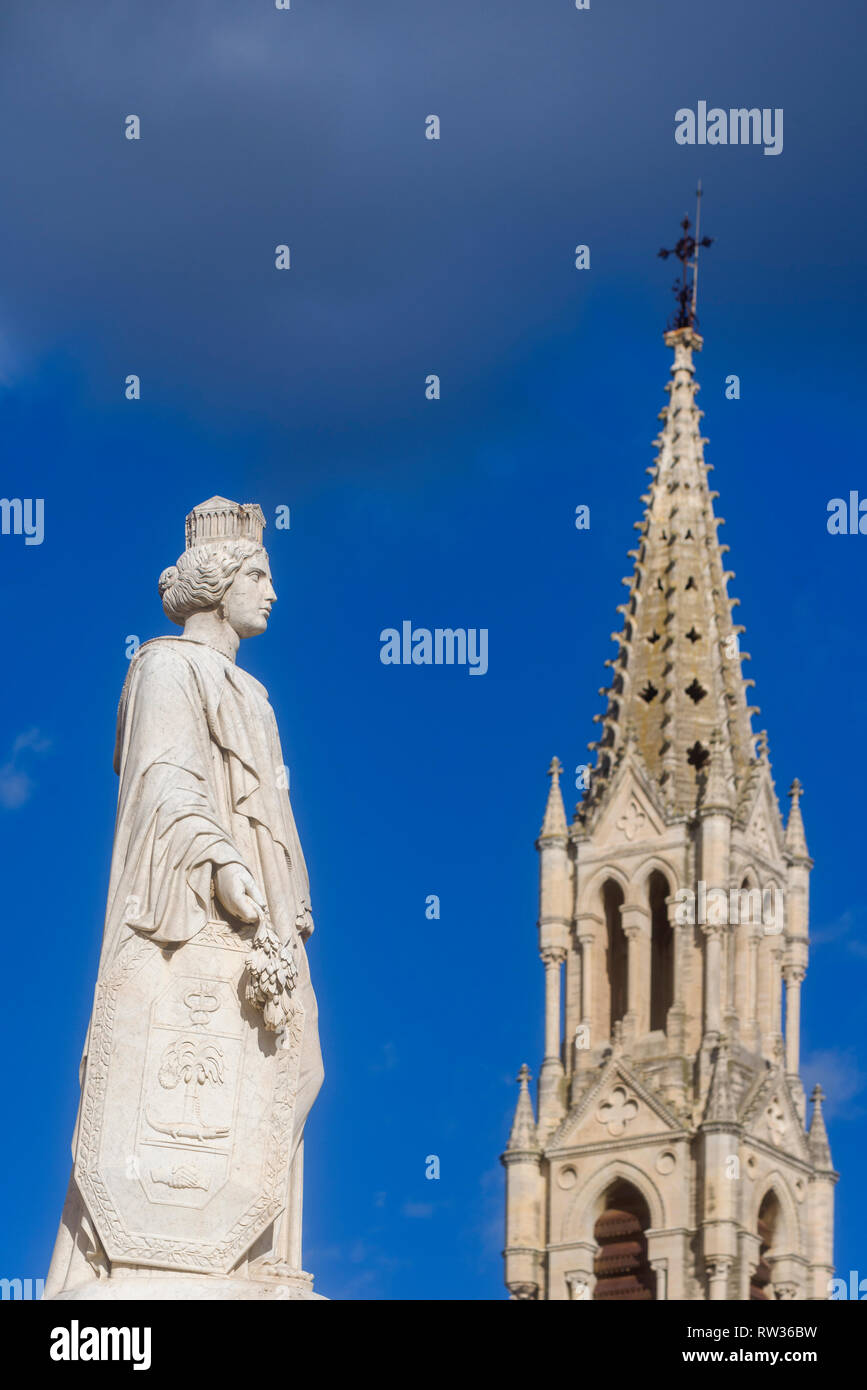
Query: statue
202	1057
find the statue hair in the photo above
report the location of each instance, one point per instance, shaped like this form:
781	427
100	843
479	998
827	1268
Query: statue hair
202	576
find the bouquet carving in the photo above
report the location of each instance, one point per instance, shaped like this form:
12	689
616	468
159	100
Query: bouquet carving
271	976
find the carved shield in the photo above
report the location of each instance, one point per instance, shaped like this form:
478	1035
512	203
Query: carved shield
187	1108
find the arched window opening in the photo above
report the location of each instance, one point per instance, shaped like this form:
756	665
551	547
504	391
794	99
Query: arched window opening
617	953
621	1265
661	953
769	1216
749	903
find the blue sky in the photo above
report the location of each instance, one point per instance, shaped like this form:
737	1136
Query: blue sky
306	388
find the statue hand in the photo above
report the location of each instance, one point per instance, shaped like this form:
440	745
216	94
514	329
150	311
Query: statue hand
239	892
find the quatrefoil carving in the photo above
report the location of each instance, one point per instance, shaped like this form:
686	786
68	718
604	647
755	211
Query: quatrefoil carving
632	820
616	1112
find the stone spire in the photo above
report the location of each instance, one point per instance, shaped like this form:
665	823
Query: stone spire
677	674
663	1054
554	826
820	1148
720	1107
717	792
523	1137
796	840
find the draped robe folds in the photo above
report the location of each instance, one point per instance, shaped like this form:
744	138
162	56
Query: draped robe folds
201	786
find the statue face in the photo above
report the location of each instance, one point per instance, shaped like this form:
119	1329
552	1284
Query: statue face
248	600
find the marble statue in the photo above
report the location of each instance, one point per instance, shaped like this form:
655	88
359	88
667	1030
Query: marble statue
202	1057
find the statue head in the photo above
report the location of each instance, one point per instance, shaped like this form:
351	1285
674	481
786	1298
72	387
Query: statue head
224	570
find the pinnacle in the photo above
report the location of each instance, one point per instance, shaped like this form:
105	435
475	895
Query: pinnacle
796	840
523	1135
717	793
554	825
820	1148
720	1106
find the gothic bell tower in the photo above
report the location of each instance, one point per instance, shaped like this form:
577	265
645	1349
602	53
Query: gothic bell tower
672	1156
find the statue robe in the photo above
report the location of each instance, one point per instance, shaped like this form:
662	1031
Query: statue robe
201	785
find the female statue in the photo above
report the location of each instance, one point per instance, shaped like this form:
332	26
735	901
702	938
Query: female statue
202	1059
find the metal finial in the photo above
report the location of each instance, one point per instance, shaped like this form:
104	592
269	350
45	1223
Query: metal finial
686	250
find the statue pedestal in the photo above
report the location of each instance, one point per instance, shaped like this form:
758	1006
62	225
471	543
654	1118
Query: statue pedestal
154	1286
183	1153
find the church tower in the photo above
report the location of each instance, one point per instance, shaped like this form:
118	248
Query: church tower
672	1156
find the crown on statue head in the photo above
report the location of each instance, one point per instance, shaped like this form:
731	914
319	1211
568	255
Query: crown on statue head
218	519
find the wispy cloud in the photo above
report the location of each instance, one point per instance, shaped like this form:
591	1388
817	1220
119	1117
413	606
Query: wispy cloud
846	932
387	1060
16	784
833	931
360	1270
489	1226
842	1078
418	1211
